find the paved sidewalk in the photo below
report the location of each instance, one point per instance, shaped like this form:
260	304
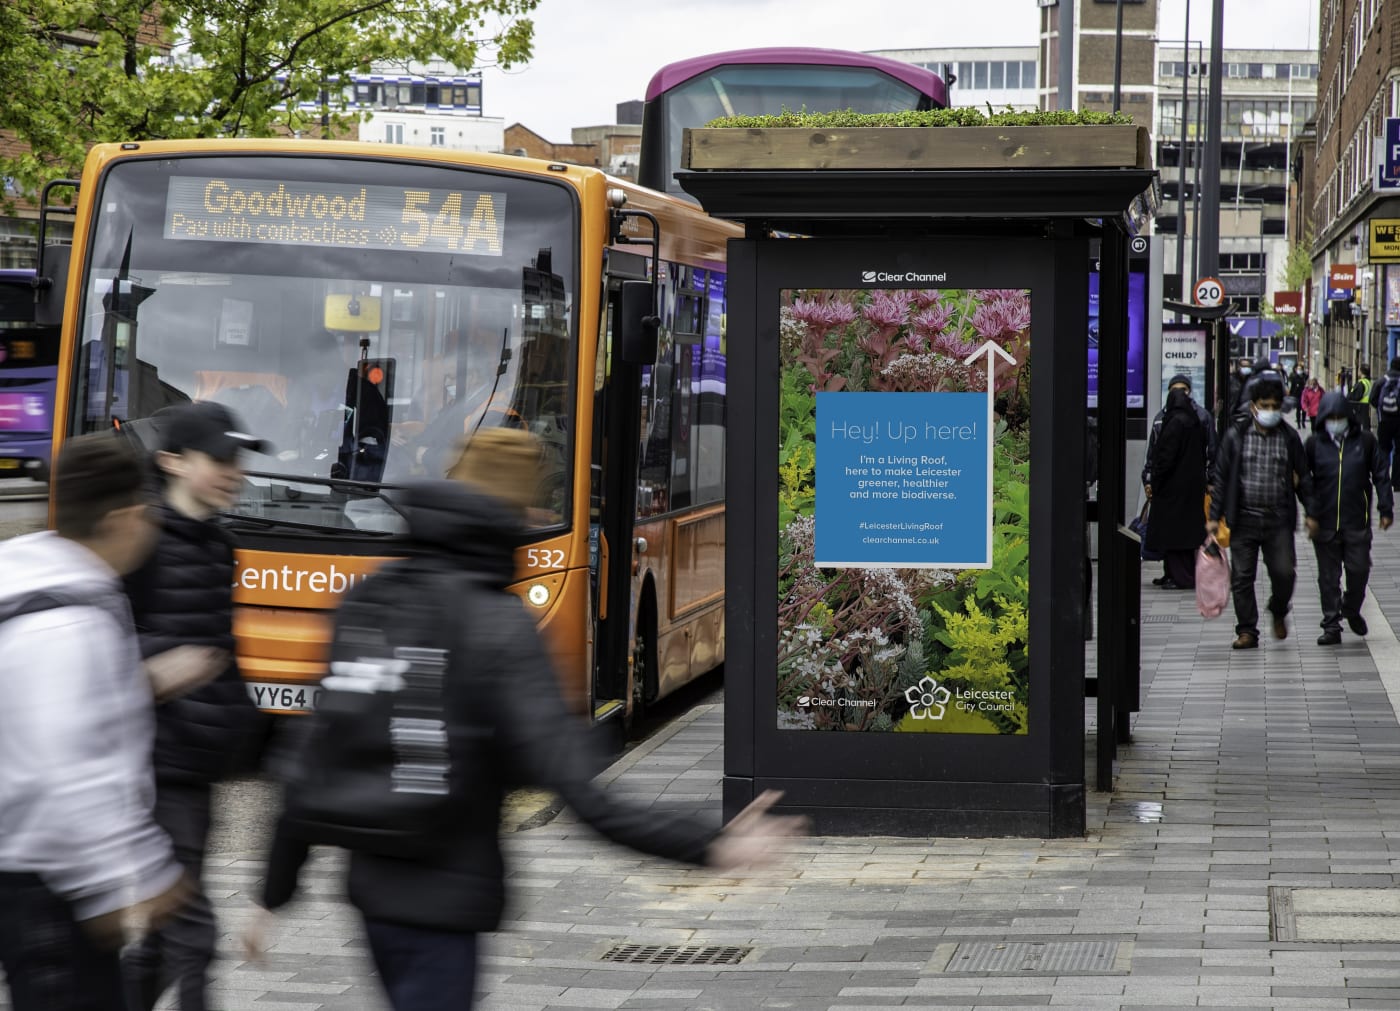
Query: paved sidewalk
1278	768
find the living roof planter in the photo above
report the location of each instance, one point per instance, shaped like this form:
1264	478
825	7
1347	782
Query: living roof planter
916	147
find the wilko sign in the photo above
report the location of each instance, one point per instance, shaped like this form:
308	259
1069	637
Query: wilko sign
1288	303
1341	275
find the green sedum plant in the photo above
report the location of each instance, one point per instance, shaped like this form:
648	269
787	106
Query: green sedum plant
962	116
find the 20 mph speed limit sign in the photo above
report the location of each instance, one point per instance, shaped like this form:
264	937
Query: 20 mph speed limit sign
1209	292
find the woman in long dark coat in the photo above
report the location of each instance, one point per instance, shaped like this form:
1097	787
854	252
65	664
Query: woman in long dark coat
1176	524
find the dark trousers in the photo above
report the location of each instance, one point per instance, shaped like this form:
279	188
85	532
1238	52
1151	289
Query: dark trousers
424	970
179	953
1248	541
1388	441
1180	567
50	963
1348	550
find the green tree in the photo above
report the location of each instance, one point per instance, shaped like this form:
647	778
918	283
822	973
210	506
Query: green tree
1294	276
79	72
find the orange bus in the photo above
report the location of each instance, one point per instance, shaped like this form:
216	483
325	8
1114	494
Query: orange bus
364	307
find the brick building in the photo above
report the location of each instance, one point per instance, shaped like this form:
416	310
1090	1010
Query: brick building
1095	30
1359	44
613	148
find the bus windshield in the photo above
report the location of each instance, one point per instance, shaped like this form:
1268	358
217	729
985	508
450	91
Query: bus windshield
769	89
365	317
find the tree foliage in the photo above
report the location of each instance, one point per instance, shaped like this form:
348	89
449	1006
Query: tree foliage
1294	275
79	72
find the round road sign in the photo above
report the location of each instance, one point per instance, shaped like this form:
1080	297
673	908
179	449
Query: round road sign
1209	292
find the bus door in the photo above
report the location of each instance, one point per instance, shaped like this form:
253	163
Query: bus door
618	407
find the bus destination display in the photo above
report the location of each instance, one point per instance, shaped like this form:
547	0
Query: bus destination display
335	215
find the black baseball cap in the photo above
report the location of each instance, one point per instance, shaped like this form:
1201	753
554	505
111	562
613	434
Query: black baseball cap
207	428
1180	379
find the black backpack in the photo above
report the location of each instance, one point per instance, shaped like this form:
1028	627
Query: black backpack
384	765
1388	397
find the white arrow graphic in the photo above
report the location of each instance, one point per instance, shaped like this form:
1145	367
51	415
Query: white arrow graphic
991	349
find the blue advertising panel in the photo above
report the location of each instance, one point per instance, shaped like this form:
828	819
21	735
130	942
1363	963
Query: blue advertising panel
1137	340
1390	158
903	480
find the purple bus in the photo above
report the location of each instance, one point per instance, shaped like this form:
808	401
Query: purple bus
28	373
756	82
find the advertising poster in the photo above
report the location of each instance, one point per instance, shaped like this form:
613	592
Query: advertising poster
1184	350
1137	339
904	504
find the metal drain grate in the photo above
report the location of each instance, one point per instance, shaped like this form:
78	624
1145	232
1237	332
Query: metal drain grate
675	954
1159	619
1337	915
1034	958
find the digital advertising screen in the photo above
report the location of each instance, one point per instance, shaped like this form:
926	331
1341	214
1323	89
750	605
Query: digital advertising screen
1137	339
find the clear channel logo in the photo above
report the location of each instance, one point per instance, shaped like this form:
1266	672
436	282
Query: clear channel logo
928	700
904	277
814	702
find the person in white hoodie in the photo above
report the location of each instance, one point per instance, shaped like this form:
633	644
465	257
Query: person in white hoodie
81	858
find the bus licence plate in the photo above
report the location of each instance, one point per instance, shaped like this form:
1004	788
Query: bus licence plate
9	463
280	698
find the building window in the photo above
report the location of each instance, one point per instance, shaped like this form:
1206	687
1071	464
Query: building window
432	94
1013	74
474	96
393	134
998	68
437	136
979	75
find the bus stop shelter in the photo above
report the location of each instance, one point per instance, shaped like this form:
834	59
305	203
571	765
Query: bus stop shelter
906	582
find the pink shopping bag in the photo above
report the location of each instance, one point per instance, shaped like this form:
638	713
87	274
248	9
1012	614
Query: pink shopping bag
1212	579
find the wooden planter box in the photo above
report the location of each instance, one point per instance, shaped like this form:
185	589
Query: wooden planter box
918	147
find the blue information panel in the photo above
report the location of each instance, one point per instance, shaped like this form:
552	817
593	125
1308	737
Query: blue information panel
903	480
1390	160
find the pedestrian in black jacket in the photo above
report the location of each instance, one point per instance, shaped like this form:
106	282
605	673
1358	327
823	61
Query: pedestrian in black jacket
1296	381
183	596
1260	472
1176	524
423	914
1345	463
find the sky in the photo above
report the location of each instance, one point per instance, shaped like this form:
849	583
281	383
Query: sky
592	54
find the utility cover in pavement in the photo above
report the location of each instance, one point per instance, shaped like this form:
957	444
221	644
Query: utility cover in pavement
1335	915
1033	958
675	954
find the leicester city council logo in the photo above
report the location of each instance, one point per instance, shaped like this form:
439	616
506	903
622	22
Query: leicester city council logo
927	699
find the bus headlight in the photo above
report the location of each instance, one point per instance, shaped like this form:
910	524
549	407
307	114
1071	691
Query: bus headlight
538	594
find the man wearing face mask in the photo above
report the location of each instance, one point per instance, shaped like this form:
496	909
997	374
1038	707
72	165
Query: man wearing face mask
1259	470
1345	463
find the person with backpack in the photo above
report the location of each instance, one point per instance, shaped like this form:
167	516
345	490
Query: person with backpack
1360	397
1345	464
1386	400
80	852
183	595
441	697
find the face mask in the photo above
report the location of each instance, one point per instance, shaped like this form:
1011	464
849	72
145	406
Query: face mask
1337	427
1244	370
1268	419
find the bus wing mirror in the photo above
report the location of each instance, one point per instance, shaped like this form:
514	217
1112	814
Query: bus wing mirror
638	327
50	288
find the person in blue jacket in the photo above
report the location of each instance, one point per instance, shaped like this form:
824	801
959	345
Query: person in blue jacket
1350	477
